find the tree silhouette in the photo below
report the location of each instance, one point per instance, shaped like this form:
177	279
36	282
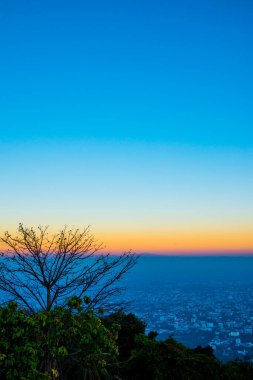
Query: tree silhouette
40	270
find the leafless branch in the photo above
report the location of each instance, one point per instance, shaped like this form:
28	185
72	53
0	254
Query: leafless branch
40	270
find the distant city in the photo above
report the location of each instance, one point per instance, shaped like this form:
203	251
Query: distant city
196	300
211	303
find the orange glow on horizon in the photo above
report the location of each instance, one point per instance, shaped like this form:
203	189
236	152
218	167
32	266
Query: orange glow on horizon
196	241
178	242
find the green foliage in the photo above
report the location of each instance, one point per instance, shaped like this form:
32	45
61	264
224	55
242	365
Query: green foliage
170	360
20	353
237	370
54	344
80	343
129	328
71	343
143	357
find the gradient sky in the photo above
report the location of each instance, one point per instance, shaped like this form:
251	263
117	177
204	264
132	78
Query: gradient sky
133	116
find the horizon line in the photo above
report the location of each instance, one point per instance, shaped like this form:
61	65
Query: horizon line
191	253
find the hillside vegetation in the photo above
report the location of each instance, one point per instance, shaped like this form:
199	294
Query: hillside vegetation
73	343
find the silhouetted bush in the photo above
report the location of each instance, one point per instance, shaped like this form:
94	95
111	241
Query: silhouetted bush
69	343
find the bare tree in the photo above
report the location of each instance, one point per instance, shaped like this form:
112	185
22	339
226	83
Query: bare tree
40	270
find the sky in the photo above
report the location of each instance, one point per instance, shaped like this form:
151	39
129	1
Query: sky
134	117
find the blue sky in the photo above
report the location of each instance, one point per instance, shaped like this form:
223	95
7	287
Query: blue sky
149	100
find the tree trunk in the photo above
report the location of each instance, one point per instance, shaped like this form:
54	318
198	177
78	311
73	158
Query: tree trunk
48	299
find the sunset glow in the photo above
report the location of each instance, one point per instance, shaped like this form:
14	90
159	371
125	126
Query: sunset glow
137	122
